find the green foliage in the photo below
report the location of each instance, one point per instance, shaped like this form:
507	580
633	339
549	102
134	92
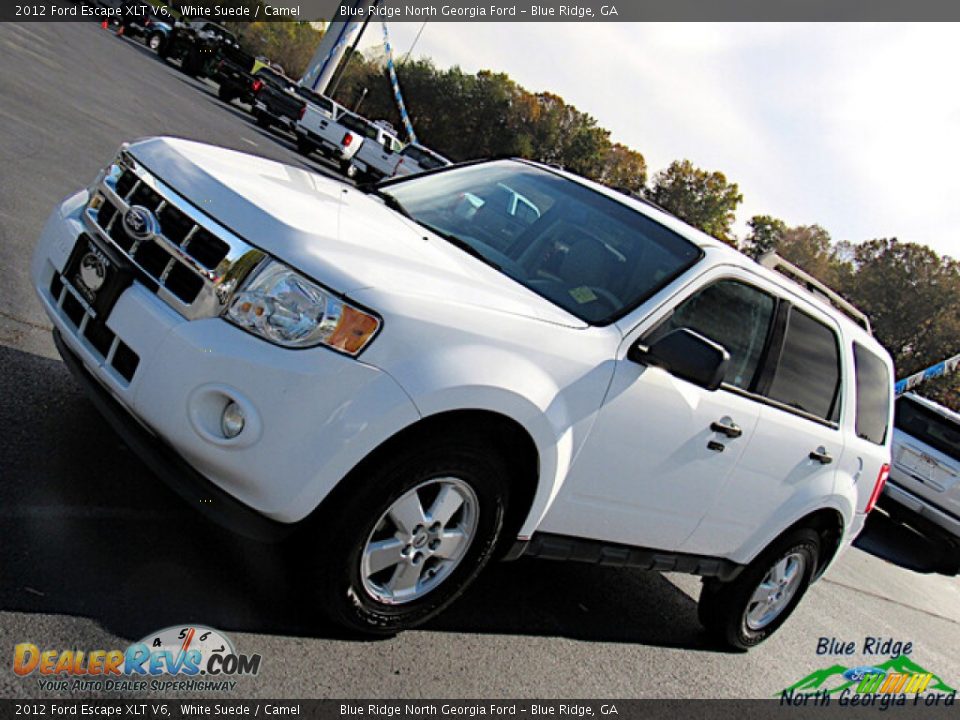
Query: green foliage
765	234
704	199
290	44
487	114
910	293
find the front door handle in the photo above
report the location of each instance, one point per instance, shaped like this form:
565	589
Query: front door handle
821	456
726	426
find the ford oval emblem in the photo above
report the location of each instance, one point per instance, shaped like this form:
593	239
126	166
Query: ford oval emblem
139	223
857	674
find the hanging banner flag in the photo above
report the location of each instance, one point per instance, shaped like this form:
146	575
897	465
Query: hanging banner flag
941	368
407	125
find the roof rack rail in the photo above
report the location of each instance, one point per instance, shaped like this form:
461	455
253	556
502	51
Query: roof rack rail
815	287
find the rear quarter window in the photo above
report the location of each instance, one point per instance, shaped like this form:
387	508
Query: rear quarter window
807	378
873	395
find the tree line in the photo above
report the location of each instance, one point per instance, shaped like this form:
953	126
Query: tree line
910	293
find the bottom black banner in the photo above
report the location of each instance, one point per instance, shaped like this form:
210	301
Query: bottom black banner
787	706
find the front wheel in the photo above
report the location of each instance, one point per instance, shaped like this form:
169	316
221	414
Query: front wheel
408	540
746	611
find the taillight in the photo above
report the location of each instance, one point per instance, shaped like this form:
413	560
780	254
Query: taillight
878	488
257	84
347	139
303	111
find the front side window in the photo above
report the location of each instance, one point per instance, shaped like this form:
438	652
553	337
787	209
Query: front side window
732	314
807	377
592	255
873	395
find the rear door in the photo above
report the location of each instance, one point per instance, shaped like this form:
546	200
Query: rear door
793	454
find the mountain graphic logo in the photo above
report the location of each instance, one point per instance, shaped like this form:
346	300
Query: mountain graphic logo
836	678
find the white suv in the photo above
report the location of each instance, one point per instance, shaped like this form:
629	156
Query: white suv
925	476
409	391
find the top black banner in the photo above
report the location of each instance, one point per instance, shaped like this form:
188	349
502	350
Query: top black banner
479	11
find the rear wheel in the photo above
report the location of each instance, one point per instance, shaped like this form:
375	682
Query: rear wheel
262	119
746	611
226	94
408	540
154	42
304	146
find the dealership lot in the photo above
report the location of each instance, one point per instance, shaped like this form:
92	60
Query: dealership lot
98	554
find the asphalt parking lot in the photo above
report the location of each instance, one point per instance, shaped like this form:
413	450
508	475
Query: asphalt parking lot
96	553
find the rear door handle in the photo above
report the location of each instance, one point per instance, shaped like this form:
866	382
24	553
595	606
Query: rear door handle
821	456
726	426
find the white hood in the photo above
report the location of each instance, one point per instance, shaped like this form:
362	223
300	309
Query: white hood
330	231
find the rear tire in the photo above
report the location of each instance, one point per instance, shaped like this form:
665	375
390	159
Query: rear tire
155	43
451	502
746	611
304	147
225	94
262	120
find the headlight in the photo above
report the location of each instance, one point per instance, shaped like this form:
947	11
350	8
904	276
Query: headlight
284	307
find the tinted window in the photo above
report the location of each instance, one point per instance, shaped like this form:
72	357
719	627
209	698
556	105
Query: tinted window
358	125
426	160
928	427
808	375
593	255
873	395
730	313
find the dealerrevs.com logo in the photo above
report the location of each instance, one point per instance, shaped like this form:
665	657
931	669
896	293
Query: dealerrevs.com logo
181	657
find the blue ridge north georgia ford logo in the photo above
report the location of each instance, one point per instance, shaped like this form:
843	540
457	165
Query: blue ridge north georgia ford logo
139	223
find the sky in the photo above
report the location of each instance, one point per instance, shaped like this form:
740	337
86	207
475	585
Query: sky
855	127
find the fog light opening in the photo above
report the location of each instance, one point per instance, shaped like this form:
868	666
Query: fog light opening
232	420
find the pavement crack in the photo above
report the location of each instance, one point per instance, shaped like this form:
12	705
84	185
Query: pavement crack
888	600
28	323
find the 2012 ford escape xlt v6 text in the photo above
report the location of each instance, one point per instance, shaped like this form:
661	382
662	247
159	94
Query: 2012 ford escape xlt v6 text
416	377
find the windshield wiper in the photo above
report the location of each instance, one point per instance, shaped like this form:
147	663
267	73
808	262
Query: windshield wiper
389	200
460	243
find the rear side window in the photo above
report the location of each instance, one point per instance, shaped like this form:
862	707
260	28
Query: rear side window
873	395
732	314
808	375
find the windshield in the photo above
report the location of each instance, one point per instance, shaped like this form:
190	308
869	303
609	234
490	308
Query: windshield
928	427
591	255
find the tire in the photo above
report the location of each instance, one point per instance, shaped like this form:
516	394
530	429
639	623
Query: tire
349	169
728	609
225	94
420	577
155	43
262	120
304	147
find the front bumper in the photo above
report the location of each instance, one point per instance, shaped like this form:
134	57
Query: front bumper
921	507
312	414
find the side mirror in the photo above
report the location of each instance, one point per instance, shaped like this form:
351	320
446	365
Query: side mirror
687	355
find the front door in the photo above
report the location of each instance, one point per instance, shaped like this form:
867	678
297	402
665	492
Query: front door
662	448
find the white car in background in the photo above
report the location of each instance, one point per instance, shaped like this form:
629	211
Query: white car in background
379	153
406	391
416	158
925	474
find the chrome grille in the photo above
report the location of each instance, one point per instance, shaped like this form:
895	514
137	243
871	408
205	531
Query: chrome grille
196	262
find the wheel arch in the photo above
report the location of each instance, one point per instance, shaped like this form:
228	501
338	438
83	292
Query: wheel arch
494	429
828	522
